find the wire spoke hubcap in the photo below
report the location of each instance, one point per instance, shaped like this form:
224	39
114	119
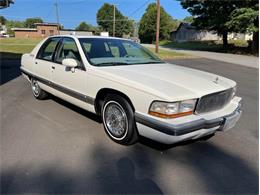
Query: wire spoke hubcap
35	88
115	120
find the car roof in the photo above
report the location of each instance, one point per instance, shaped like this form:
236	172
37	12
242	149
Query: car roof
90	36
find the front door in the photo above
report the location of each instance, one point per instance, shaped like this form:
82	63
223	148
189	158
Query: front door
43	63
70	81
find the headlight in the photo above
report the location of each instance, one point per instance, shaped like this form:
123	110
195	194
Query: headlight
172	110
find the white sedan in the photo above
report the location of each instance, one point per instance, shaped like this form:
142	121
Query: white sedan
134	92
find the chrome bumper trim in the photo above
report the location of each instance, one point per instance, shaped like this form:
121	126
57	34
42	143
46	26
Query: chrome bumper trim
177	130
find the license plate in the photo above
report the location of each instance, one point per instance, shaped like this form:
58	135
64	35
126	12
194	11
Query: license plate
231	121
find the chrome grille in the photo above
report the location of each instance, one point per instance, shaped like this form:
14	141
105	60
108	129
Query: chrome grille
214	101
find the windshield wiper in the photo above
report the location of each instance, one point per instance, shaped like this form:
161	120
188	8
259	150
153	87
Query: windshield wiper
111	63
152	62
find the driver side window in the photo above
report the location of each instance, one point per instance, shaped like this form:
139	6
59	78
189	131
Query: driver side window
68	49
48	49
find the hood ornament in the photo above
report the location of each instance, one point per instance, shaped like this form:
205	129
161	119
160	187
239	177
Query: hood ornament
216	80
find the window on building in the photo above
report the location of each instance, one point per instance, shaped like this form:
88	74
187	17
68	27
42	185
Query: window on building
43	32
51	32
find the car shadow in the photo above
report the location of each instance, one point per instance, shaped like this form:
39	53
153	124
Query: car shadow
110	174
164	147
221	171
128	182
135	171
9	66
76	109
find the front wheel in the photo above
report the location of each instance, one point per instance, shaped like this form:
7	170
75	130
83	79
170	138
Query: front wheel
118	120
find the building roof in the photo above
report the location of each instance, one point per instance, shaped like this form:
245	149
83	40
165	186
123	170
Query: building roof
46	24
24	29
34	29
75	30
184	25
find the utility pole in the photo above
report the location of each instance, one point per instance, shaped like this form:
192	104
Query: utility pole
157	27
114	21
57	16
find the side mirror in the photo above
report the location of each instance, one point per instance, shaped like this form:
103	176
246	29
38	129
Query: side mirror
69	62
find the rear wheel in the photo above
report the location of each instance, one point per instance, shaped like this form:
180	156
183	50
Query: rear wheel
118	120
38	93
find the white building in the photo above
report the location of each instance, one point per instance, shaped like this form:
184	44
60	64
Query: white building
186	32
3	31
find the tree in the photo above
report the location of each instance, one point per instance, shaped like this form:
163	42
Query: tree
105	20
97	30
13	24
147	28
245	20
2	20
30	22
211	15
61	27
83	26
188	19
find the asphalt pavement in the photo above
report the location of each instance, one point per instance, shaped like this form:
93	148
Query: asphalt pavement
54	147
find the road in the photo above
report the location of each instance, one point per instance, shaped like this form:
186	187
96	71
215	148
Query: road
51	146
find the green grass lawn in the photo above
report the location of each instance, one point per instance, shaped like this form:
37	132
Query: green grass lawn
18	46
193	45
165	54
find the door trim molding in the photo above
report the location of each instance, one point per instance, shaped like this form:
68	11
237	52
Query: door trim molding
62	89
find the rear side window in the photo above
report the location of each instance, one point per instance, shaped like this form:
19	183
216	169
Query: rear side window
48	49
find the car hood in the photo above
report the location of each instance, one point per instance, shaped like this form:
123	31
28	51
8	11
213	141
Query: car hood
168	81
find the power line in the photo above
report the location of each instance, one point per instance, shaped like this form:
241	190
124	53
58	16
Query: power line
87	20
49	13
135	11
74	2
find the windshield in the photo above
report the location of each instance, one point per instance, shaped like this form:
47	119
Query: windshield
111	52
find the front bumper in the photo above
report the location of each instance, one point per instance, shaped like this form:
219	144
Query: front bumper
191	127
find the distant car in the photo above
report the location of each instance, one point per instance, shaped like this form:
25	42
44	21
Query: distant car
134	92
4	35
